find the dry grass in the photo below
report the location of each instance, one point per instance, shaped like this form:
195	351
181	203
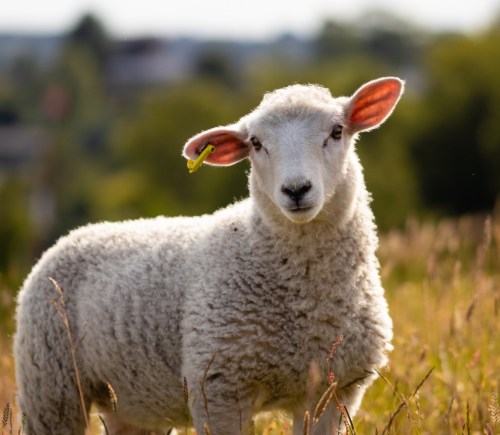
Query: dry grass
443	285
7	383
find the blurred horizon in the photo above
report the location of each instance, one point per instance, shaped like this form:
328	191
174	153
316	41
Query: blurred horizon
254	21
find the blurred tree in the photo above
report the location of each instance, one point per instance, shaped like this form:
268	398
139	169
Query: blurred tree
76	109
214	64
89	34
336	40
456	145
380	36
27	82
9	113
16	236
390	39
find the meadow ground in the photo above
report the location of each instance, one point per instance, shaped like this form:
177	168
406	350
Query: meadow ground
443	286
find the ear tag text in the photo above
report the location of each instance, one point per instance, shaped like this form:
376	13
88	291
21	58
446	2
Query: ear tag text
194	165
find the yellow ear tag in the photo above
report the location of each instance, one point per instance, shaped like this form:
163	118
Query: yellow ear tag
194	165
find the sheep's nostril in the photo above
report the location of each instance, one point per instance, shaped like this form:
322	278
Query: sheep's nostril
296	192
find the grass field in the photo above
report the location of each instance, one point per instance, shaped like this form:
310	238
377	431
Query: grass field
443	285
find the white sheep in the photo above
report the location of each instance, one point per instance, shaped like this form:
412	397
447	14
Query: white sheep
207	320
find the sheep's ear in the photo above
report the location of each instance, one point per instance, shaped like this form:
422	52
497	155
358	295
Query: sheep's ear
229	144
372	103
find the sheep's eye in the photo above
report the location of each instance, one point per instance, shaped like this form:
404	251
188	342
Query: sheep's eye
336	133
256	143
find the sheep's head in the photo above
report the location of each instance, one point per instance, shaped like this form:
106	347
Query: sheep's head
298	141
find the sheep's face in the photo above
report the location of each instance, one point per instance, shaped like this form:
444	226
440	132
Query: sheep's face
299	155
299	140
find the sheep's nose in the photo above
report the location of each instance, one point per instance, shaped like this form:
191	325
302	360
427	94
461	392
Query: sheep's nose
296	192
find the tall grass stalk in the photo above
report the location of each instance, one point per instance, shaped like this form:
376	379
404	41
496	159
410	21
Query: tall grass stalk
60	307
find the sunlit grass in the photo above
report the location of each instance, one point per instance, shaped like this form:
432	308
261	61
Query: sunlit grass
446	316
443	286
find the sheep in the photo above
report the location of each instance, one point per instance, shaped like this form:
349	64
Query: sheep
207	320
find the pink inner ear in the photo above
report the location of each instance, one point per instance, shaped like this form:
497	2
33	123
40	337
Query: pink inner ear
229	148
373	103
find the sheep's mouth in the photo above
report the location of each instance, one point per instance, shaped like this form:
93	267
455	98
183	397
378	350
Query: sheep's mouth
300	209
300	214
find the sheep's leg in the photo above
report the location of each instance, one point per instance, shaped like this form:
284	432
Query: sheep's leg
48	396
222	413
227	420
328	423
325	426
332	420
53	417
116	427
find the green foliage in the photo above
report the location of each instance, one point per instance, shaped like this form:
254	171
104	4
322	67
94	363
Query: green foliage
17	239
456	148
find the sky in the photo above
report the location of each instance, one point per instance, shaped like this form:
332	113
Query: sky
236	19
